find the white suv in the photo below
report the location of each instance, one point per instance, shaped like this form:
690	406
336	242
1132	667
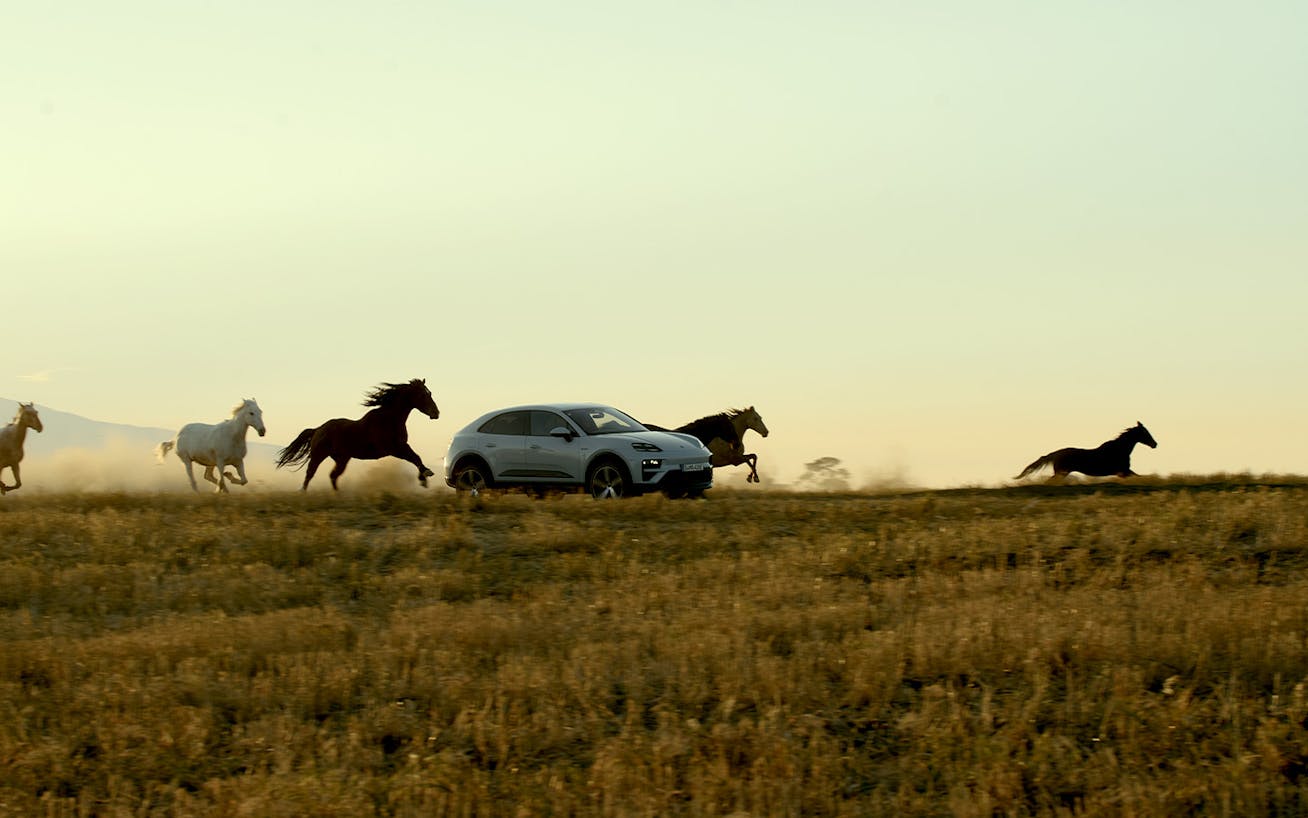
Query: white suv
575	445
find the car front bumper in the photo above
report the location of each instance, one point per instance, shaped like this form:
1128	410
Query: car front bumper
682	477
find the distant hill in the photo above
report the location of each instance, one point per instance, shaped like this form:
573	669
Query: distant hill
64	430
75	453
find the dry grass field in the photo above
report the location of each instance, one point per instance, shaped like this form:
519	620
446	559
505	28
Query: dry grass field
1112	650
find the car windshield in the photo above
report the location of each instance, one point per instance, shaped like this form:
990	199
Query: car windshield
604	420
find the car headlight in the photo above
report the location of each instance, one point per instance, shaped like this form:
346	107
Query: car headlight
642	446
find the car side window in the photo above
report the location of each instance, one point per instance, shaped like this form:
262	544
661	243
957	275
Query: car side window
543	422
509	423
582	419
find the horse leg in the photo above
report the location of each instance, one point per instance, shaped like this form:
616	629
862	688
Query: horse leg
737	456
18	480
315	460
720	453
190	473
723	453
217	481
407	453
734	455
338	469
239	477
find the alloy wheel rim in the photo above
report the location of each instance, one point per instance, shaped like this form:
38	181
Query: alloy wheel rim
471	480
607	483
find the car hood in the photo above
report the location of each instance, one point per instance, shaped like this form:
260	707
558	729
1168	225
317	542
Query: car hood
668	441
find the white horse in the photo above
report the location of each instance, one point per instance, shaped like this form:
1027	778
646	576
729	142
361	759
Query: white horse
216	445
11	442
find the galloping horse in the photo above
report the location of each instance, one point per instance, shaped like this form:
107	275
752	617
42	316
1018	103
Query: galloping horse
723	434
11	442
379	433
216	445
1110	458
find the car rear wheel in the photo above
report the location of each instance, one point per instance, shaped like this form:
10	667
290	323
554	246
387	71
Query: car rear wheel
607	479
471	477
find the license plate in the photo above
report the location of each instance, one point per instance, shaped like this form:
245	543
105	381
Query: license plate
695	467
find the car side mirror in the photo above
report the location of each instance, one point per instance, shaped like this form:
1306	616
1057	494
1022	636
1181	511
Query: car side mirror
563	432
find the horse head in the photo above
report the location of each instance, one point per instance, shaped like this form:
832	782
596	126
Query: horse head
753	420
249	411
423	400
1142	435
28	417
411	395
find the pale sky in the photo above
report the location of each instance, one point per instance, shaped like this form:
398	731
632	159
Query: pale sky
936	239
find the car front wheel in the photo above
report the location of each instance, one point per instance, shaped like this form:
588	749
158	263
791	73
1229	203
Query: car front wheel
471	477
606	480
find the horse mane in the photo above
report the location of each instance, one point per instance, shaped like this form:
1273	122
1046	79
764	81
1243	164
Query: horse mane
386	393
727	415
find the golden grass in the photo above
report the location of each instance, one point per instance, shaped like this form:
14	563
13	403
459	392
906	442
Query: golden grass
1133	650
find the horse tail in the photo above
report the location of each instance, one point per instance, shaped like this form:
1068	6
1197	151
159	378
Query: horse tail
1039	463
161	451
298	451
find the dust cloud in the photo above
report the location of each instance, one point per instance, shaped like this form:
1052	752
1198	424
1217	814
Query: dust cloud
377	476
887	478
120	466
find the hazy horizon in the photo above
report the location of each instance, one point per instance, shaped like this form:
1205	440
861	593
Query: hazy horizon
122	458
934	240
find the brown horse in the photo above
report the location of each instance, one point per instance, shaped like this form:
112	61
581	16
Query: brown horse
379	433
12	438
723	435
1110	458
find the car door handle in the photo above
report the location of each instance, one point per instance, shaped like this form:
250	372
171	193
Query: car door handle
490	445
534	446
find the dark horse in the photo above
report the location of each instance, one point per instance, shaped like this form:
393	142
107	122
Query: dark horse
723	435
379	433
1111	458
